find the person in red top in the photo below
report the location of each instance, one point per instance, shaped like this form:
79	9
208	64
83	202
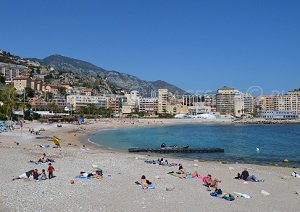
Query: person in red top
50	171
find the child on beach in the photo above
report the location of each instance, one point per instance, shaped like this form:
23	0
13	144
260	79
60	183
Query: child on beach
50	171
43	176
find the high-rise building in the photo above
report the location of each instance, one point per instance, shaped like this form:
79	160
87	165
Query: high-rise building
234	102
162	100
225	100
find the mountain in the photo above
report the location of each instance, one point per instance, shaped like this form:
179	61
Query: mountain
120	80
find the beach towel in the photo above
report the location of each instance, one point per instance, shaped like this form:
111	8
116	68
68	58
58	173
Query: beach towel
228	197
173	174
150	186
242	195
91	178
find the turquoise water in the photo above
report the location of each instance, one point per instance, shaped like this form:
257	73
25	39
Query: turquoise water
276	142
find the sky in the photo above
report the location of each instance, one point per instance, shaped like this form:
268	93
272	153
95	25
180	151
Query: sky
198	45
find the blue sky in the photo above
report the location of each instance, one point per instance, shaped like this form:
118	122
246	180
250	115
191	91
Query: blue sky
194	44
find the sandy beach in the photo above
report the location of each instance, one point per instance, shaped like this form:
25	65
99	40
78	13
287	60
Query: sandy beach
117	191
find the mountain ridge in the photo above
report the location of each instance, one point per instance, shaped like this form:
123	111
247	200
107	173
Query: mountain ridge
120	80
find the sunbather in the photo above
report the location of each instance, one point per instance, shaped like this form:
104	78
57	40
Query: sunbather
25	175
144	182
195	174
43	159
245	176
209	182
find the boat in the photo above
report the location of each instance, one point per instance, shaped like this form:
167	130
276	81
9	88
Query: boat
164	146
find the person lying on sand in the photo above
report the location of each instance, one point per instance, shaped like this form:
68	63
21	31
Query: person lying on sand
180	173
43	159
96	174
209	182
245	176
25	175
195	174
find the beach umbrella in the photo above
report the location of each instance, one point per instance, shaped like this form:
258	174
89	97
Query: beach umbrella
56	141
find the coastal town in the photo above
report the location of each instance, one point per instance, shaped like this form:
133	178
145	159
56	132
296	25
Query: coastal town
33	90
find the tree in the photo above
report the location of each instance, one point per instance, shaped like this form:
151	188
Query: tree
62	91
52	107
29	92
2	79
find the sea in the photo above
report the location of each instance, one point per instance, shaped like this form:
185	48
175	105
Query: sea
242	143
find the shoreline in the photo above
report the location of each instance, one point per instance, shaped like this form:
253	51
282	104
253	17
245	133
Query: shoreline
124	169
84	139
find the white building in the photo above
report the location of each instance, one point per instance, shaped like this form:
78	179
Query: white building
199	108
133	98
281	115
76	101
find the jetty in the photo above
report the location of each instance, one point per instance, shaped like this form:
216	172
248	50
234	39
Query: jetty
177	150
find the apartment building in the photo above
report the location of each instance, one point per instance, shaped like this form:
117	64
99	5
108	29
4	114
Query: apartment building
162	100
76	101
148	105
225	100
286	102
10	71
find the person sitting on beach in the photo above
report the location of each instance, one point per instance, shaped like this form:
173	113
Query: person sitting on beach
144	182
247	177
25	175
35	174
180	169
83	148
209	182
43	175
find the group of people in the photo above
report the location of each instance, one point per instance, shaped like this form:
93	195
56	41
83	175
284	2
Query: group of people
208	180
31	130
36	175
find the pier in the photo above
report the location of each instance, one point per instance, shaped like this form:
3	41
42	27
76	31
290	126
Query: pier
177	150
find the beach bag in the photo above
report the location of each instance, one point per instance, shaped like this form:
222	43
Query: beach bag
228	197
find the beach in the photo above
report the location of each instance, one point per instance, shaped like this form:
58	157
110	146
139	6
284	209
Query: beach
117	191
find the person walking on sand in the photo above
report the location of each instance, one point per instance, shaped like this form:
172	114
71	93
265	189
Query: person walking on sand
50	171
